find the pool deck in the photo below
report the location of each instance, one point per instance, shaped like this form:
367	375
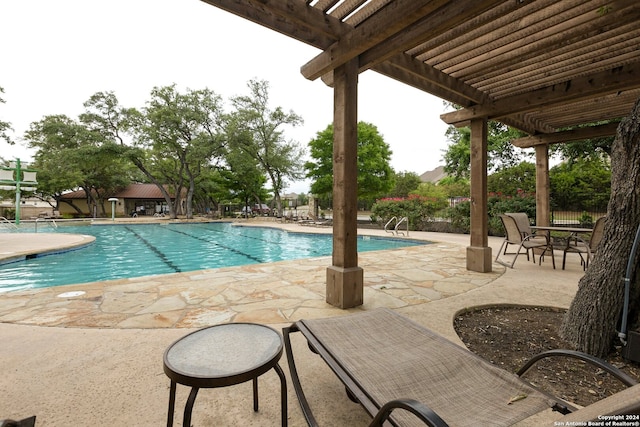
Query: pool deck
91	354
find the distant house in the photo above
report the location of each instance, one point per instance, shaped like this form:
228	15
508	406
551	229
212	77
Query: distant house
141	199
434	175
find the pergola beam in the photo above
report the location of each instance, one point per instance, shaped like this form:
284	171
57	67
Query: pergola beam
600	131
384	24
292	18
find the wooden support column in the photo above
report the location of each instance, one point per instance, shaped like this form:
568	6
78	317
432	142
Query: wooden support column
479	252
345	279
543	199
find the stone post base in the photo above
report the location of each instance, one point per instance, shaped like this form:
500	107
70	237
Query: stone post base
479	259
345	286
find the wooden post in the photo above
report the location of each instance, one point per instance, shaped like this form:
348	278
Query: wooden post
344	278
479	252
543	204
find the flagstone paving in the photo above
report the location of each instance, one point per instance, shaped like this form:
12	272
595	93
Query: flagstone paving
264	293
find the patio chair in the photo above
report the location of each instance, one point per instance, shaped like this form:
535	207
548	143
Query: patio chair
524	225
531	242
405	374
575	244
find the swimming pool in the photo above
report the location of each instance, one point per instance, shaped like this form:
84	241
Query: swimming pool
132	250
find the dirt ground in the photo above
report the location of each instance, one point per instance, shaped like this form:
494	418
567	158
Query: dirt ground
509	336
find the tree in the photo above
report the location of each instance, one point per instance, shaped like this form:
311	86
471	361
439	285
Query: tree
510	180
4	126
279	159
583	184
405	183
590	323
242	177
375	176
183	132
69	155
501	153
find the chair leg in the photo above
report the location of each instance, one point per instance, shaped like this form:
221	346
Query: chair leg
504	243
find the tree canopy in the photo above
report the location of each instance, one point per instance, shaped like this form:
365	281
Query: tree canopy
375	175
265	140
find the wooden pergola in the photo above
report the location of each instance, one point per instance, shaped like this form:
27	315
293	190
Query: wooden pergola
540	66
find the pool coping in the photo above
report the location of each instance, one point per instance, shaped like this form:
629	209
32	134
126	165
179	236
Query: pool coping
25	245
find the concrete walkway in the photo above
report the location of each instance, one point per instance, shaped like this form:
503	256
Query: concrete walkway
91	354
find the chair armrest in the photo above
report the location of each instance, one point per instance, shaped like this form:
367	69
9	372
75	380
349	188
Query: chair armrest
592	360
420	410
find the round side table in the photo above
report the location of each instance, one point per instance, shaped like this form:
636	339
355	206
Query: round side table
220	356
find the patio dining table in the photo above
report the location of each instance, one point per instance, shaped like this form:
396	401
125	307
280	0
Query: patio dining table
571	232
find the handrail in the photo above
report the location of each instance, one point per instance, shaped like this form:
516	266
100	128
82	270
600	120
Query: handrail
4	220
406	221
397	225
51	221
389	222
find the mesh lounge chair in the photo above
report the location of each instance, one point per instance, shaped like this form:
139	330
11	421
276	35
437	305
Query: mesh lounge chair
514	236
580	246
405	374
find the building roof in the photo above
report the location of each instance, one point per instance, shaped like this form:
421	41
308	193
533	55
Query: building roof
434	175
537	65
132	191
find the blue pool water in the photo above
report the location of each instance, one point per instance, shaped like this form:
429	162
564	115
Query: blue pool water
122	251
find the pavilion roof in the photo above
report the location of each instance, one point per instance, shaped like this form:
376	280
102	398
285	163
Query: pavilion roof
538	65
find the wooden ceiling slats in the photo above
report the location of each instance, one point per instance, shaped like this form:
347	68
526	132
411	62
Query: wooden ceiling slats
557	47
346	8
584	67
603	46
543	36
447	16
580	88
537	65
400	13
500	33
470	31
326	5
364	13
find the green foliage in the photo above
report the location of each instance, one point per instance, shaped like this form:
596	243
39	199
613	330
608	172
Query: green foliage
510	180
279	159
501	153
70	155
583	184
455	187
431	190
405	183
417	209
375	176
497	204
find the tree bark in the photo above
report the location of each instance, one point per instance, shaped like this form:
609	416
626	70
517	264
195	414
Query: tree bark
590	324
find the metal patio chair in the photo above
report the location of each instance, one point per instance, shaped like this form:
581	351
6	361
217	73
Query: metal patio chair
576	244
404	374
514	236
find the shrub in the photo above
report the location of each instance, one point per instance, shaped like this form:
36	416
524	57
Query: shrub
417	209
497	204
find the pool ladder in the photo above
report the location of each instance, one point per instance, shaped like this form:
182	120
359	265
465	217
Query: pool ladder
396	228
51	222
5	223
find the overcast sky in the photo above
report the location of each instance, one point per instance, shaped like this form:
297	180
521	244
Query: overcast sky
56	54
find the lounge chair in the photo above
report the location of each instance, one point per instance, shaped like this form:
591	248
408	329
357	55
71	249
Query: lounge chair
575	244
405	374
514	236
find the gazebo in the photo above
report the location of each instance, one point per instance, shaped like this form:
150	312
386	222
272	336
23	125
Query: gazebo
541	66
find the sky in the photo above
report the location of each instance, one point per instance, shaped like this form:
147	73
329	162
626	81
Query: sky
56	54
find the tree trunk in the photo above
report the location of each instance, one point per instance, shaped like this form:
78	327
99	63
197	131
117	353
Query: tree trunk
590	324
